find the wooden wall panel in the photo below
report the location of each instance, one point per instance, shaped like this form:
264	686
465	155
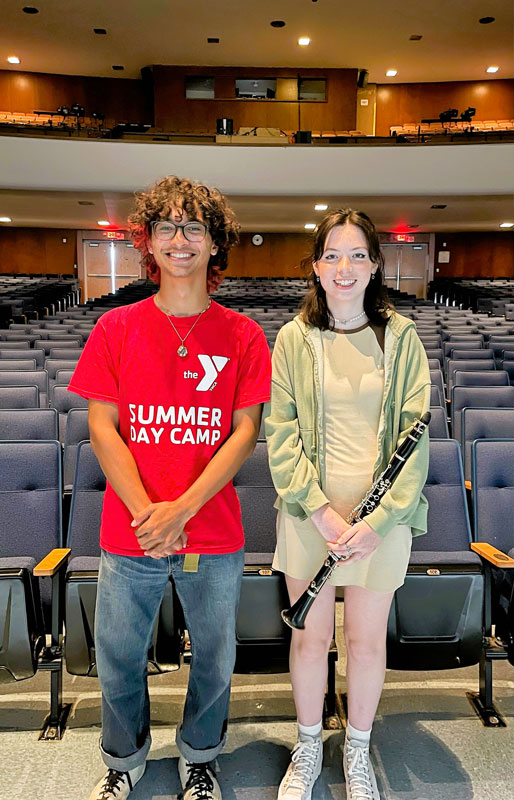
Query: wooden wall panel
37	250
279	256
174	113
476	255
403	103
120	99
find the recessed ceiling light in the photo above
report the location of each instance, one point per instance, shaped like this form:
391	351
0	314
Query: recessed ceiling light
100	31
438	205
118	67
5	219
310	226
103	222
30	10
486	20
391	73
213	40
303	41
413	226
13	60
506	224
85	203
277	23
320	207
492	69
415	37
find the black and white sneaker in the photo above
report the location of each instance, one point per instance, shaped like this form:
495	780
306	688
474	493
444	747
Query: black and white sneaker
198	781
117	785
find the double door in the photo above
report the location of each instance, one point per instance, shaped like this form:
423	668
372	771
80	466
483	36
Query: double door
406	267
108	266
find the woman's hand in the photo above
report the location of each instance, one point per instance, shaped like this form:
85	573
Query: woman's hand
359	538
160	528
330	524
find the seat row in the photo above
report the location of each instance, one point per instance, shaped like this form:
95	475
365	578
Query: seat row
441	618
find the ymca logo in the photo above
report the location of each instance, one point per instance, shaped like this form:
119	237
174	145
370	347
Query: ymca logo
212	366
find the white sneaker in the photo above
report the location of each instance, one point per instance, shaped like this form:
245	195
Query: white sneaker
198	781
117	785
360	778
304	769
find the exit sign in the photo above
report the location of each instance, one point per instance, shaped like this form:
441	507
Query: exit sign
404	237
114	234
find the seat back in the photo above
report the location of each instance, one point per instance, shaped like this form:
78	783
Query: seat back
86	503
436	398
53	364
19	396
21	354
436	379
493	491
438	425
467	366
69	354
25	365
477	397
19	424
496	377
77	430
483	423
37	378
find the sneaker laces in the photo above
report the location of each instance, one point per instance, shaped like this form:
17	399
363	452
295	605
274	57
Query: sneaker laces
112	784
199	781
357	765
304	757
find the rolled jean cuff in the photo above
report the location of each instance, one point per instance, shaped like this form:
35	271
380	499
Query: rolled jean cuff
198	756
128	762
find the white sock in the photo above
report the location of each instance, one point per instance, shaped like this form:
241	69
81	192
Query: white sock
355	733
309	730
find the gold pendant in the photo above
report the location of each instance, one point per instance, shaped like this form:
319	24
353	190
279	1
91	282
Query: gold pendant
182	351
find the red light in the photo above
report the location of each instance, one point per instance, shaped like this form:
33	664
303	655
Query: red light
400	237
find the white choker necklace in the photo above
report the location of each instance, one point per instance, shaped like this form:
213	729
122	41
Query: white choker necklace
352	319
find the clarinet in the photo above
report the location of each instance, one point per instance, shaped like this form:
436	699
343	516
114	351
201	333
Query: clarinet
295	616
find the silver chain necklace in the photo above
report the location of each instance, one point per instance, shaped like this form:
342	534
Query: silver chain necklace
352	319
182	350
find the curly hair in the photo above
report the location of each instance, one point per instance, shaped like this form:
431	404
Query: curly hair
198	202
314	308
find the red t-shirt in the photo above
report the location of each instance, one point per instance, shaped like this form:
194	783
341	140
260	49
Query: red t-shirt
174	413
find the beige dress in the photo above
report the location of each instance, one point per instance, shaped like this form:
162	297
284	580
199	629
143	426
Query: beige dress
353	383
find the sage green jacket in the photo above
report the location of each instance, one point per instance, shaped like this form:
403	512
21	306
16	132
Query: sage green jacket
294	423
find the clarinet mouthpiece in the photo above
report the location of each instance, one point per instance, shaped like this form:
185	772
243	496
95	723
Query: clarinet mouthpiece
425	419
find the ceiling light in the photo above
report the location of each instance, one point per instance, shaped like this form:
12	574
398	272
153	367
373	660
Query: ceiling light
438	205
117	66
30	10
85	203
103	222
100	31
506	224
391	73
303	41
415	37
13	60
213	40
310	226
320	207
277	23
5	219
492	69
413	226
486	20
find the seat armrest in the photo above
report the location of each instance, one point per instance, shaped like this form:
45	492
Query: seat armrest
52	562
496	557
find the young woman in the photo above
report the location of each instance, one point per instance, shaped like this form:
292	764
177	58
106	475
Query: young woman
350	376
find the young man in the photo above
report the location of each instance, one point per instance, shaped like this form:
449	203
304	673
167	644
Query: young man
175	385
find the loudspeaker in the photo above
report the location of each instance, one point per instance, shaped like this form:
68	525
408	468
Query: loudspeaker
303	137
362	78
224	126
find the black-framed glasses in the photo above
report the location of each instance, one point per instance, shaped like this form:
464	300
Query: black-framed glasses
165	231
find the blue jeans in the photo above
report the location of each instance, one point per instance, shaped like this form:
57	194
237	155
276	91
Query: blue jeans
130	590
